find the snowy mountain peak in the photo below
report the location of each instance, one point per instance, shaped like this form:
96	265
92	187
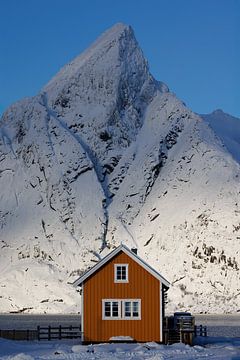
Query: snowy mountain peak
218	111
104	154
115	57
107	54
116	31
227	128
111	78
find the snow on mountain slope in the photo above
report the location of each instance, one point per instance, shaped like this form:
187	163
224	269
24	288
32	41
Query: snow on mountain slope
183	210
227	127
104	154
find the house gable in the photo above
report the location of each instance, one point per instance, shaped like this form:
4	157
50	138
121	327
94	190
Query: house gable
138	276
132	255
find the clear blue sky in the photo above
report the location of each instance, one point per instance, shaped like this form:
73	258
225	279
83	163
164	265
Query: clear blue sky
192	45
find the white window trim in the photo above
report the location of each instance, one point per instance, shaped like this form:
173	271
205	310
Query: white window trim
131	317
111	317
115	273
121	308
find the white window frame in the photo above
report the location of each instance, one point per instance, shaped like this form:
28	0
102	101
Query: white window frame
139	309
111	317
115	273
121	309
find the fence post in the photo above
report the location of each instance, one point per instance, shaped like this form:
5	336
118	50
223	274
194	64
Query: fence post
38	333
49	333
27	335
60	332
201	330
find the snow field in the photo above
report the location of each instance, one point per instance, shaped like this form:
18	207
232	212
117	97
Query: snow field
217	350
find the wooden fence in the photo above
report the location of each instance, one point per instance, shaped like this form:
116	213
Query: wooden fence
58	333
44	333
74	332
19	334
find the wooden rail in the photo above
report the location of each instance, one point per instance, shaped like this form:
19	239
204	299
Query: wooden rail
58	333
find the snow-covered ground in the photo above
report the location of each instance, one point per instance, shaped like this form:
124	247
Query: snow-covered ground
216	349
222	344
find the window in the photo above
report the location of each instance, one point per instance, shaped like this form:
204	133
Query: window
111	309
131	309
120	272
125	309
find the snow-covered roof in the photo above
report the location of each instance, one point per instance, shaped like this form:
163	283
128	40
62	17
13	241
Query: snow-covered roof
132	255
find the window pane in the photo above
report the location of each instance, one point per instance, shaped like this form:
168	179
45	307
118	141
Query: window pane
119	273
115	309
107	308
135	309
127	309
124	273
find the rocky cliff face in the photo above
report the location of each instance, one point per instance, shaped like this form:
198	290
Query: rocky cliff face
104	154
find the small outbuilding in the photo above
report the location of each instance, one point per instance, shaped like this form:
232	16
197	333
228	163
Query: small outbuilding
123	297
